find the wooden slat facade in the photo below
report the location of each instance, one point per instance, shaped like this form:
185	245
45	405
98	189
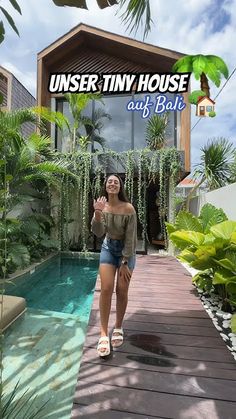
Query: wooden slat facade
173	363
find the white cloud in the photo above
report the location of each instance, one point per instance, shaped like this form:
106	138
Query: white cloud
27	79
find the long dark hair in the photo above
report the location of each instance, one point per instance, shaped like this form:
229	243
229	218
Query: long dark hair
121	195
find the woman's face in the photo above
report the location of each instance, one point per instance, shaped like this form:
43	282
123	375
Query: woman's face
113	185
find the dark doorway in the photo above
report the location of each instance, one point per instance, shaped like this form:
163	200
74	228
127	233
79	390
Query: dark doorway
153	221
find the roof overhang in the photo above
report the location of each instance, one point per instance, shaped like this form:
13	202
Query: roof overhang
156	58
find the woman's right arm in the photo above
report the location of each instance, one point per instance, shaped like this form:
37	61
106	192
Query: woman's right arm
98	225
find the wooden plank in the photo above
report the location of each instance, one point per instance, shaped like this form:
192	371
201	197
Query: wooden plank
166	338
154	318
106	397
95	412
209	369
173	363
218	389
149	345
172	329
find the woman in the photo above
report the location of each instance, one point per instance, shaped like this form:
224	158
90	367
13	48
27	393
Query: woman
115	217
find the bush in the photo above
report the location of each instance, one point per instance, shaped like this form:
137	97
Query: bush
212	114
208	244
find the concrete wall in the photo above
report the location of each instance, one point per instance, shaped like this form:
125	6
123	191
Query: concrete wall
224	198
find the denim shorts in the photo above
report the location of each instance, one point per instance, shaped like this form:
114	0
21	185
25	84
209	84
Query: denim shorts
111	253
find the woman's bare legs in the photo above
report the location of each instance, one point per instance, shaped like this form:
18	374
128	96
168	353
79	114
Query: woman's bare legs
107	276
122	287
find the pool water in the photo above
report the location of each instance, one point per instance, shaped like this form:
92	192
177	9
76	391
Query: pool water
64	285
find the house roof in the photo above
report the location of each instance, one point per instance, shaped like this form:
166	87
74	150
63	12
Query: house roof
205	97
97	39
187	182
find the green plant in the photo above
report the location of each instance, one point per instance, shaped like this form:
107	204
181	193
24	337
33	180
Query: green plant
203	66
8	17
194	96
212	114
208	244
214	168
93	127
156	131
135	10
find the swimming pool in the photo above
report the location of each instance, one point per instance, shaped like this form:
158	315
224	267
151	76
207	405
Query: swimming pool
65	285
43	349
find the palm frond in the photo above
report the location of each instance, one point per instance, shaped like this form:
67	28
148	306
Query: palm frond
134	15
183	65
219	64
19	254
216	159
51	116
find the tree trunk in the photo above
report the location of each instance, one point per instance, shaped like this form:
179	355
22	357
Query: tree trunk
204	84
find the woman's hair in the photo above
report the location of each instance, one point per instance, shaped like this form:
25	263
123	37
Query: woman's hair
121	195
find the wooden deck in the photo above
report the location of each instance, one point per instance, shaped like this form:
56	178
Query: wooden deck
173	364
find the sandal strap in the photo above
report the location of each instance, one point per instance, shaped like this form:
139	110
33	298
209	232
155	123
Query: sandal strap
104	338
114	337
121	331
102	346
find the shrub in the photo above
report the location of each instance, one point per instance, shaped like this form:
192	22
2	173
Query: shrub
212	114
208	244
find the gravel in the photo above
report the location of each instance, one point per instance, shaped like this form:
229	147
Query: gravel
221	319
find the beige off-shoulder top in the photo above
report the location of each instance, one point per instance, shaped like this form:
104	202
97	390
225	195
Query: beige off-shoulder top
121	226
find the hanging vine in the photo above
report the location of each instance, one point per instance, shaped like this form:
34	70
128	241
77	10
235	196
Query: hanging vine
129	175
86	167
98	181
160	166
142	186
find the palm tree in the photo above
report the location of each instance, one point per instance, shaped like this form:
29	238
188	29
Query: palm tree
77	104
233	170
156	131
94	127
24	162
203	66
132	16
214	168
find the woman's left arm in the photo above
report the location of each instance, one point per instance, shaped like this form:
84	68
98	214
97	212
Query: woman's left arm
130	241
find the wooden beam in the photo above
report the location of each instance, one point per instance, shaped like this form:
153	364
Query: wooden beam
185	121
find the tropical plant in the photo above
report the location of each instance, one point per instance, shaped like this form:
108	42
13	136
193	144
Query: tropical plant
77	104
156	131
215	166
94	127
203	66
233	169
212	114
27	171
132	17
208	244
194	96
8	17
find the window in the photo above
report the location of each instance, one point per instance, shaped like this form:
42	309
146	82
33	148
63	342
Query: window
125	130
209	108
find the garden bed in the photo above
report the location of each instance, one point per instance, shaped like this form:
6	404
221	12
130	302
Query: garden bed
221	319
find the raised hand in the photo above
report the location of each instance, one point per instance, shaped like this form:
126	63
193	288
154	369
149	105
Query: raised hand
100	203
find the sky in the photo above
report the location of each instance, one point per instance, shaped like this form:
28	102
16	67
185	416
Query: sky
190	27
